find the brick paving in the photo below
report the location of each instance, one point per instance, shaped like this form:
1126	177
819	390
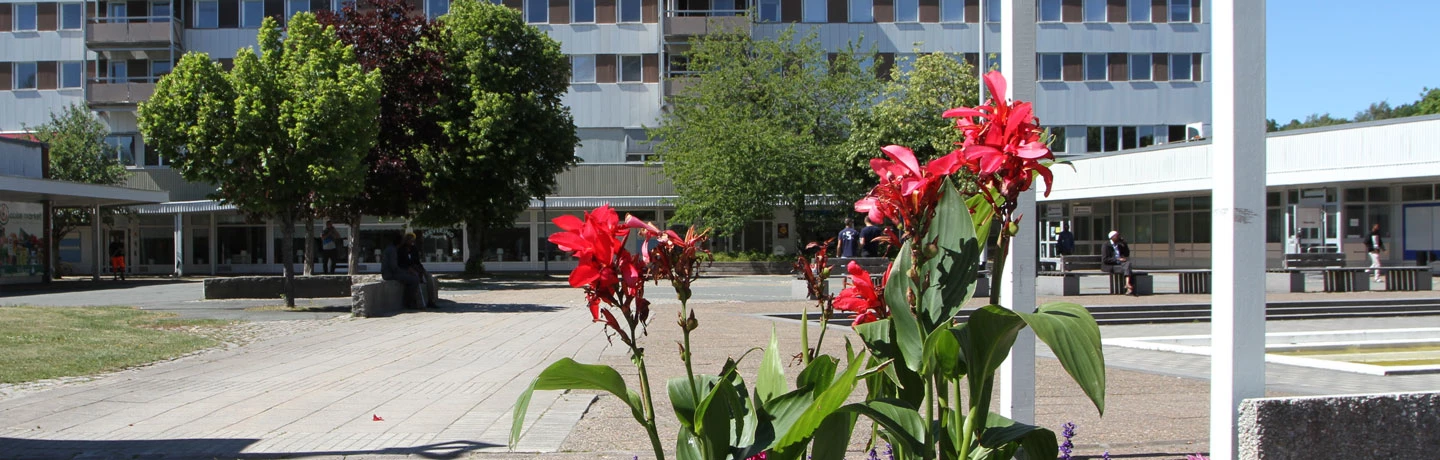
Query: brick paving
444	381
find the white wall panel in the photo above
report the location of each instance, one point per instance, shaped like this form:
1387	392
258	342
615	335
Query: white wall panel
1122	103
601	145
22	160
611	105
891	37
605	38
19	109
66	45
219	43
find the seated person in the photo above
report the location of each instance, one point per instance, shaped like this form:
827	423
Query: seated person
410	260
390	269
1117	261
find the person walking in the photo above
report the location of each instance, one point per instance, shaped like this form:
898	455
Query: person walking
870	238
117	258
1117	261
1065	240
849	240
329	243
1374	246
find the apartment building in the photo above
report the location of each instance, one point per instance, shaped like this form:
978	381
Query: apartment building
1112	75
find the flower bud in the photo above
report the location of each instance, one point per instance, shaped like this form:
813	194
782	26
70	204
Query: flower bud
931	250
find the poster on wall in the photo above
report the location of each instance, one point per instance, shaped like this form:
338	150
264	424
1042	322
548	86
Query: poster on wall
21	240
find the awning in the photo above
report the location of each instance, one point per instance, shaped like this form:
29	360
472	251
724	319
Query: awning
73	194
591	202
181	207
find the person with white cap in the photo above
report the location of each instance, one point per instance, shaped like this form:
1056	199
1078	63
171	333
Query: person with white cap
1117	261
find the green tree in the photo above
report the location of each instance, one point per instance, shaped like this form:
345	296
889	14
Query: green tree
78	153
507	133
1429	102
763	125
1314	120
283	131
908	114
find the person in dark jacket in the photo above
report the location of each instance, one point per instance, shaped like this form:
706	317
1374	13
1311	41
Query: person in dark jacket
1117	261
391	269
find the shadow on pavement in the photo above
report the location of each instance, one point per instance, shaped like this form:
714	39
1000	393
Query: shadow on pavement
208	448
461	307
84	285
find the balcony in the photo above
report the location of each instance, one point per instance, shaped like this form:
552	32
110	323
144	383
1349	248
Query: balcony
688	23
133	33
106	93
676	83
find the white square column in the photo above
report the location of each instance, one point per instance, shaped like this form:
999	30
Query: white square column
1237	327
1017	288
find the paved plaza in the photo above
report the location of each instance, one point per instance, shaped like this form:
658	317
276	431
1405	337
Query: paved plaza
442	382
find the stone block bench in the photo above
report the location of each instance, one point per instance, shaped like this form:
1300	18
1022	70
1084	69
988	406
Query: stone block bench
1389	426
374	297
272	287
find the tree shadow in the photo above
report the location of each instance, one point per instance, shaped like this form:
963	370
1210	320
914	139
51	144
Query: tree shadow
447	306
76	284
210	448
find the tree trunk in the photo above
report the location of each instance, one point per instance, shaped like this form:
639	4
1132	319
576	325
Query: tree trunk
309	246
354	248
474	237
287	255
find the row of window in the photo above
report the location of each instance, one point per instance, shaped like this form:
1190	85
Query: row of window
1134	11
46	75
586	12
609	68
1118	67
1113	138
28	17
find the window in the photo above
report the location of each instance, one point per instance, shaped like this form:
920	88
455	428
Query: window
1051	67
815	11
117	10
630	10
72	15
769	10
582	11
26	75
160	12
24	17
1094	140
1180	11
952	10
537	11
1094	10
992	62
72	74
638	147
862	10
207	14
1097	67
1140	11
1057	139
992	10
582	68
252	12
159	68
295	6
1181	67
1140	67
1145	136
631	69
124	146
1049	10
436	8
118	70
907	10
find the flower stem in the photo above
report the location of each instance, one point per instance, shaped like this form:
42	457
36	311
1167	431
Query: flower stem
998	272
649	404
686	356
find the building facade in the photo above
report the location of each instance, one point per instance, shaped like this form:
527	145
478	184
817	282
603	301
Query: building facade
1112	76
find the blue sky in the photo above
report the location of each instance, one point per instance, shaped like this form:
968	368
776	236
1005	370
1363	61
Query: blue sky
1338	56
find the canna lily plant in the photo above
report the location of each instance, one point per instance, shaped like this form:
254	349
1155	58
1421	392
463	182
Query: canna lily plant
929	360
927	377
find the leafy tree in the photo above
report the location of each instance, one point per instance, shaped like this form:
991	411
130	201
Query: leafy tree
284	130
386	37
763	125
1429	102
1313	121
78	153
908	113
506	132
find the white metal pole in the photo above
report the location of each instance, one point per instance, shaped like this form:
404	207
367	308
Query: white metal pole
1017	63
179	244
1238	224
100	250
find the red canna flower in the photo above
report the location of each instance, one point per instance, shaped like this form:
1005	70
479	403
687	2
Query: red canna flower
1004	148
611	276
862	297
907	192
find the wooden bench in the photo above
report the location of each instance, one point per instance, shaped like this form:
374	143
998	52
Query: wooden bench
1192	281
1354	279
1074	263
1299	264
1144	284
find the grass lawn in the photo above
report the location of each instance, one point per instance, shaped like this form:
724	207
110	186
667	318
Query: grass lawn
41	343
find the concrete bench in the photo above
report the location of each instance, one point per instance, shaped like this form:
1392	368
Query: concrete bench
1073	263
1354	279
1191	281
386	297
1314	260
1144	284
273	287
1389	426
